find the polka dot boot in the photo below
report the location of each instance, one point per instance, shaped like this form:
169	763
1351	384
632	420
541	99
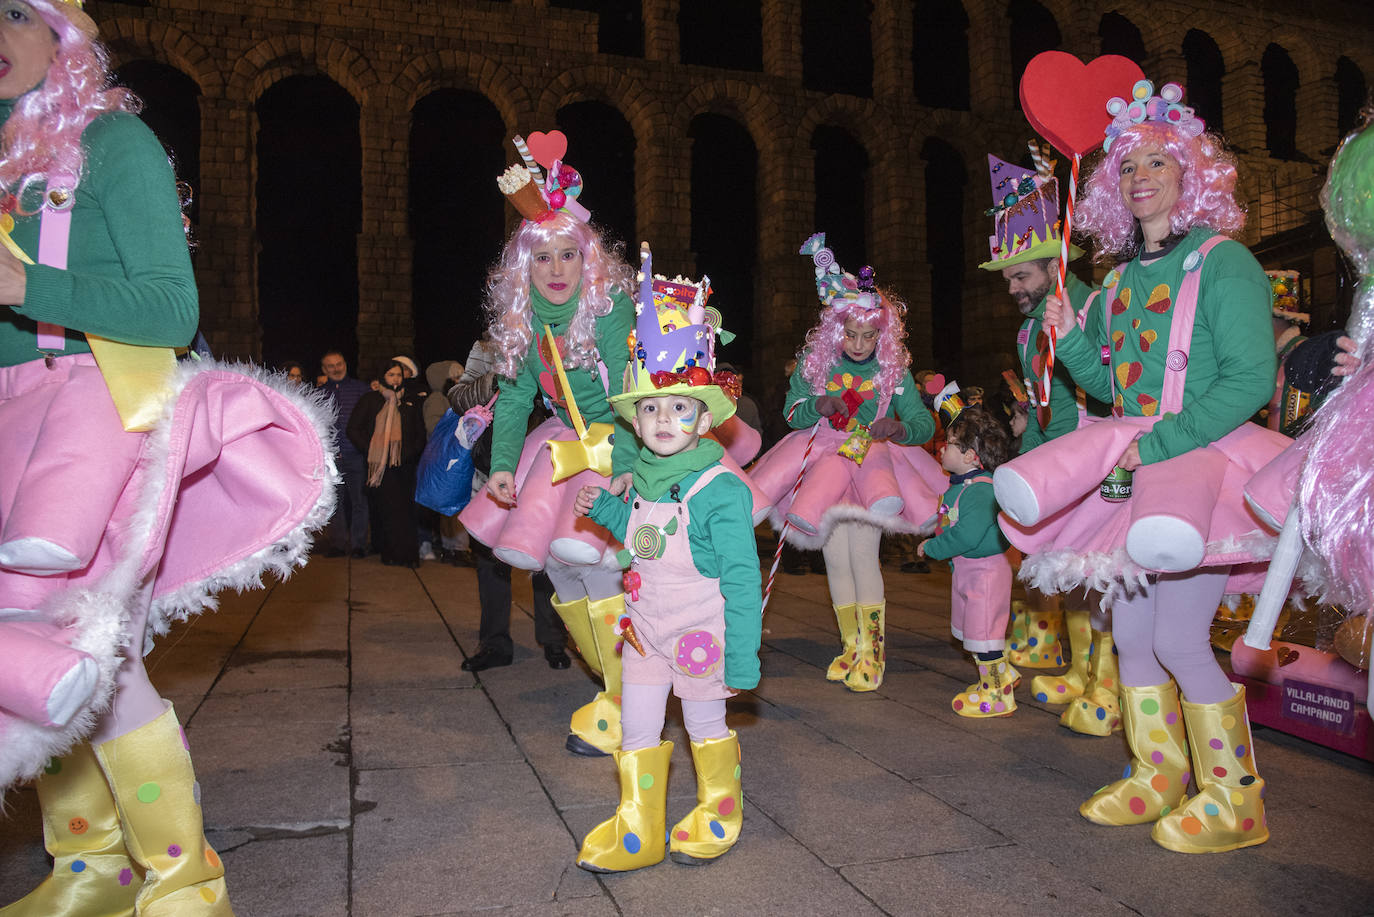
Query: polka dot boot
595	726
92	871
871	650
993	694
1034	641
848	618
633	837
149	770
1097	711
712	828
1156	780
1061	689
1228	812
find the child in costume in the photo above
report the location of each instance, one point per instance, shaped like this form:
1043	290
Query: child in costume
694	603
1181	348
980	594
865	473
208	476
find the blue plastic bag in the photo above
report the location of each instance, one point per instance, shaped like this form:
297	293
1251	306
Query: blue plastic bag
443	482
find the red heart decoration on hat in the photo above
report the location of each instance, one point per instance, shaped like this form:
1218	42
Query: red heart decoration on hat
548	148
935	384
1065	100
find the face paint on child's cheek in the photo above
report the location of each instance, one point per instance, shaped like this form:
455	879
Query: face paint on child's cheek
688	422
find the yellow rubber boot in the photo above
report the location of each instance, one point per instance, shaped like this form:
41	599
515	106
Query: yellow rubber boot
595	725
848	618
574	617
993	694
1097	711
149	770
1228	812
870	649
1061	689
632	838
1156	780
92	872
1034	642
712	828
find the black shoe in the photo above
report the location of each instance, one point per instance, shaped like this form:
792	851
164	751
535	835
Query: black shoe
915	566
557	656
580	746
486	658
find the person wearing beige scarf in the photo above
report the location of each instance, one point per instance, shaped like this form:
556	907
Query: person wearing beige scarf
387	427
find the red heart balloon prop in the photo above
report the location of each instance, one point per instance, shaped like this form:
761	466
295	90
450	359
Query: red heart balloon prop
549	148
1065	100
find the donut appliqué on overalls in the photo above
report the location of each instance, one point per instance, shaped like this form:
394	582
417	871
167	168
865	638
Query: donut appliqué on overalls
698	653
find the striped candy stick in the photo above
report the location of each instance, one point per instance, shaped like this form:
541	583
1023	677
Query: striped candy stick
530	164
787	523
1042	411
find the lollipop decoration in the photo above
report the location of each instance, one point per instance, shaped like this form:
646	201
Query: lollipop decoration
1066	101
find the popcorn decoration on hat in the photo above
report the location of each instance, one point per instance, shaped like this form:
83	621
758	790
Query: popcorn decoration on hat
836	287
673	347
534	195
1287	297
1025	212
948	403
1166	108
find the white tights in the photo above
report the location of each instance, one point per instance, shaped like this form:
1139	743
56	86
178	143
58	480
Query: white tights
574	581
642	709
851	564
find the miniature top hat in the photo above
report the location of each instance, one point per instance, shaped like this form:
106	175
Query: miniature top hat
673	347
1287	301
947	400
1025	212
538	197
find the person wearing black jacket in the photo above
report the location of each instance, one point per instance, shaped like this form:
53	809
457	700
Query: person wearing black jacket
388	428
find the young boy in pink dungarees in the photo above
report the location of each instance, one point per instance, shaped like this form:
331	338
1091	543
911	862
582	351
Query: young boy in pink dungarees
693	599
980	595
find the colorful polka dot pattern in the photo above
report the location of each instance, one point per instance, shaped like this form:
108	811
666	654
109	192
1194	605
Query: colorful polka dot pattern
1156	779
991	696
1034	640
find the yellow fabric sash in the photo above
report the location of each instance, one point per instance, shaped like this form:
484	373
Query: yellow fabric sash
592	448
139	377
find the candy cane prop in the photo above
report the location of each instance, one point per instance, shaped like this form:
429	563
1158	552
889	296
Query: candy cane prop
786	522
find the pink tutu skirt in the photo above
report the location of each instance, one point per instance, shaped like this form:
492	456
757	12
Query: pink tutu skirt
897	488
1183	513
543	524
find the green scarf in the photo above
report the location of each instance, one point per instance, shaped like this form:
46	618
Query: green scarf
546	313
654	474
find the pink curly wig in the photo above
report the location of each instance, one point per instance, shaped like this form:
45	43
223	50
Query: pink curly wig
824	344
1206	199
511	318
42	137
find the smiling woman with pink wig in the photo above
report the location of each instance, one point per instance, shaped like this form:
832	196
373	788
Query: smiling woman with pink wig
114	485
1178	342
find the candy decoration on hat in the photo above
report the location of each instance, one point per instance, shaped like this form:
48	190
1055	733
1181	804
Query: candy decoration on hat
1286	296
836	287
1025	212
533	194
948	403
1144	106
1063	99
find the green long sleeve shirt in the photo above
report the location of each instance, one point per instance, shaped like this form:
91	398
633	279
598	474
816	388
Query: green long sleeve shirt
1063	401
906	404
971	528
1231	363
510	415
128	275
721	535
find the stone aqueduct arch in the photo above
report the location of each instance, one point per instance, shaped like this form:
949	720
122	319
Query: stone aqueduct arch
660	120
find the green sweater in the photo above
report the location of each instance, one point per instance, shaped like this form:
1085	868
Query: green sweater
128	275
906	402
721	536
971	529
1231	362
510	416
1063	402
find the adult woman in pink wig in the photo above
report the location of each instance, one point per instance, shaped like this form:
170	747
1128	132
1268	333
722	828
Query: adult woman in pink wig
864	474
197	478
1179	343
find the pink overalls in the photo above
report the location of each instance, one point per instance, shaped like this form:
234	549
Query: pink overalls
679	615
980	595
